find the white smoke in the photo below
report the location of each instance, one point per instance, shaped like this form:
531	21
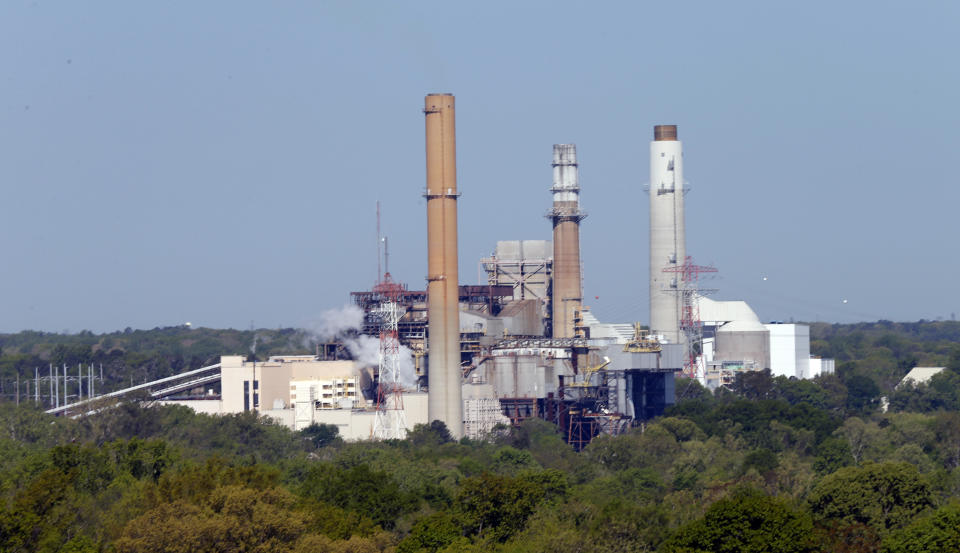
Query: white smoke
408	375
336	324
333	323
366	352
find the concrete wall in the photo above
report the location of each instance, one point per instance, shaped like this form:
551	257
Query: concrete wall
670	357
789	350
523	318
232	378
283	417
357	425
743	346
353	424
202	406
819	366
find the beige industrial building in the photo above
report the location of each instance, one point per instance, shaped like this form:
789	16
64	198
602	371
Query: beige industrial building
265	385
299	390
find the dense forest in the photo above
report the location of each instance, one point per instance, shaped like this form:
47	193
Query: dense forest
773	464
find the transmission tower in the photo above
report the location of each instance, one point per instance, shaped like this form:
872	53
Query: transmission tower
390	422
688	288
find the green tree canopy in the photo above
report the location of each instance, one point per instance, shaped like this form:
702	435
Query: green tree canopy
747	521
937	532
880	495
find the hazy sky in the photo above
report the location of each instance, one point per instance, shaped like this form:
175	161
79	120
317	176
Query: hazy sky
219	162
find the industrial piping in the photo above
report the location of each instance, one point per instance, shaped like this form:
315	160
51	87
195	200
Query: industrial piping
444	401
567	294
667	238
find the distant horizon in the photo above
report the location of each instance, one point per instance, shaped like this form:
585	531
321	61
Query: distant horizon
70	332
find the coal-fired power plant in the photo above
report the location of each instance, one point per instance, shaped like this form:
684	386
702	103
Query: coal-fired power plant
667	237
444	395
518	345
566	216
521	344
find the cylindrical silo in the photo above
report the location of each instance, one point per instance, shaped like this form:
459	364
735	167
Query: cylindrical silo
505	371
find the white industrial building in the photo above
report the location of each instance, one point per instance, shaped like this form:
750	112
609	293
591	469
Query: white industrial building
735	340
819	366
789	350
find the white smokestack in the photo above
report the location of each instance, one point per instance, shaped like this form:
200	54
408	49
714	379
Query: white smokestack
667	234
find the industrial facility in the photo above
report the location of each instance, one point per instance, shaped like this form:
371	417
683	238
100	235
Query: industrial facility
520	343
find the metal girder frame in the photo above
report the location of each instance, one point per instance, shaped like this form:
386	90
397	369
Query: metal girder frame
519	277
62	408
186	385
511	407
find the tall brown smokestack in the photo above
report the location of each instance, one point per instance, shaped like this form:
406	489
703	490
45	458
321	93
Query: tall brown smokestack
567	288
444	397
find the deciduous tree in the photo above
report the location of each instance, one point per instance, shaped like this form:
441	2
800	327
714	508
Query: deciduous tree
880	495
748	521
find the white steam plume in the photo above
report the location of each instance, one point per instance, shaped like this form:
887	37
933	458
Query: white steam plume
365	350
335	322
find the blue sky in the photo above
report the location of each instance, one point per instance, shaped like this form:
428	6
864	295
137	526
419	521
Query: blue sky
219	162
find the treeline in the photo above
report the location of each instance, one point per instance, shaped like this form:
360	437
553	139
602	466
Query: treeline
136	356
885	351
873	357
772	465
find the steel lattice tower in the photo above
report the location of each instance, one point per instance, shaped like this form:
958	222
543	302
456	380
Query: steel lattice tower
691	327
390	423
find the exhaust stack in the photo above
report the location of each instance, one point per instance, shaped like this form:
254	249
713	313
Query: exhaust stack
567	294
444	397
667	234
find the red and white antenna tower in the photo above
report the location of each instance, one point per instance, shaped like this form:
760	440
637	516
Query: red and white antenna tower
691	326
390	422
